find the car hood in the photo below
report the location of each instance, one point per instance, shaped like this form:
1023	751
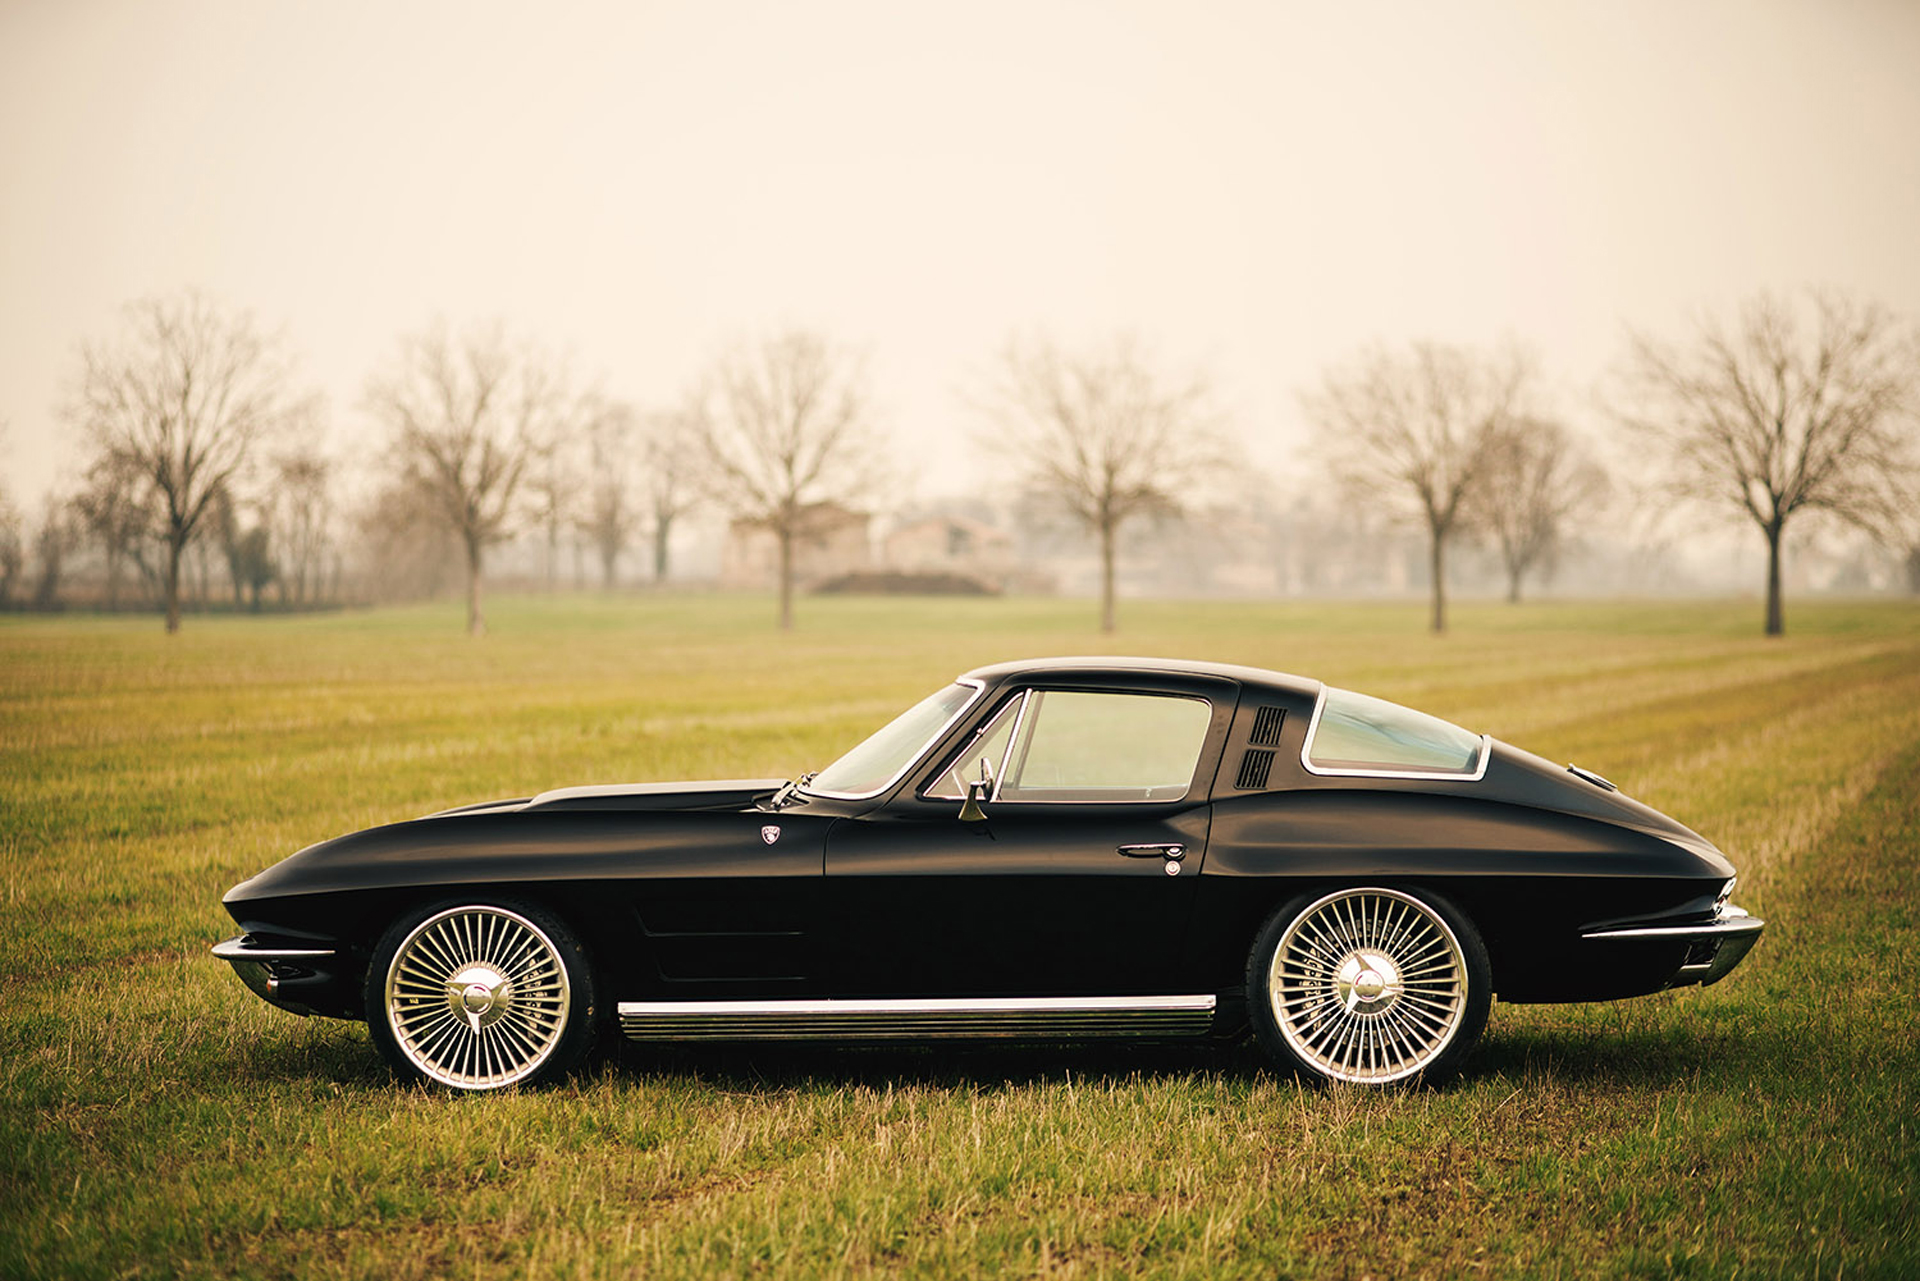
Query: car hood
720	794
577	833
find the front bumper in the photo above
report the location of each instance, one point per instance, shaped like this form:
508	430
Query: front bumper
1712	948
277	974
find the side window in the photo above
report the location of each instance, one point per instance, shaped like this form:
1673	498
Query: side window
1079	746
991	743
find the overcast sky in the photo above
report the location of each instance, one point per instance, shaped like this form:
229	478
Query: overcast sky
1260	188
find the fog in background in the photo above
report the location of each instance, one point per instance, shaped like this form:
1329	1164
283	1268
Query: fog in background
1260	189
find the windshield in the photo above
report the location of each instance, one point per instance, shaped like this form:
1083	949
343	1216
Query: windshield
1355	734
873	766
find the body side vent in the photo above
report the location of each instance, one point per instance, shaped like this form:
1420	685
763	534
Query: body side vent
1254	767
1266	726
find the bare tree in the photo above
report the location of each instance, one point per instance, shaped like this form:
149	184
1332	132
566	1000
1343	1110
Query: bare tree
1537	476
256	565
1800	404
1414	432
403	548
670	479
1103	435
465	414
554	457
610	516
224	524
51	543
115	510
13	552
183	401
782	425
302	513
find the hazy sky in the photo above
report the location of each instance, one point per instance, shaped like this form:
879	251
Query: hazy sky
1262	188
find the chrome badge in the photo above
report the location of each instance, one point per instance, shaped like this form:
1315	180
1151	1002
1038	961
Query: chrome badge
770	833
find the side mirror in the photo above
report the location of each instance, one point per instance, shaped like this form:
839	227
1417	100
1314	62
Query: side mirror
979	790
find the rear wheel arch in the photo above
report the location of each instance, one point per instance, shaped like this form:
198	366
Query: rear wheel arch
1368	982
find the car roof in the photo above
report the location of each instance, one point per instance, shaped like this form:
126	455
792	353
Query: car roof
994	673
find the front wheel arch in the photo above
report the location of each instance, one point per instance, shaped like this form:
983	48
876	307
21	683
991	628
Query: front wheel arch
481	992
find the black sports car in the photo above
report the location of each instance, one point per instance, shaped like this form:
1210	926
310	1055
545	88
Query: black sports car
1056	849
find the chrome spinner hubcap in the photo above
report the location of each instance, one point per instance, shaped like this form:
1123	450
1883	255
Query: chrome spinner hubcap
1368	982
481	995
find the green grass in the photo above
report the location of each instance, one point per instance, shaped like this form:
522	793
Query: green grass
156	1119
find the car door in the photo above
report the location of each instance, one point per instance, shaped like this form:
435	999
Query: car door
1080	877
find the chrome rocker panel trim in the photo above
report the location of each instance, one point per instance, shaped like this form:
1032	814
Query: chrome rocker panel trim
1720	944
915	1019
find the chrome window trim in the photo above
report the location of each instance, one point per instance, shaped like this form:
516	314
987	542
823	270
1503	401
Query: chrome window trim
1018	706
926	748
1013	742
1453	776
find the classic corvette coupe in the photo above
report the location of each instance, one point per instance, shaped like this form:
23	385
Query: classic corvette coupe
1056	849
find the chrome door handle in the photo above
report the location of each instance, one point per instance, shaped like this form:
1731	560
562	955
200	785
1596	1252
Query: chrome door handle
1154	851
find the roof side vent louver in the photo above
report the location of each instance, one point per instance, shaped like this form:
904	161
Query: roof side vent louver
1266	726
1254	767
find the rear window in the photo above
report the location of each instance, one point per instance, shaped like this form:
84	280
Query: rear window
1355	734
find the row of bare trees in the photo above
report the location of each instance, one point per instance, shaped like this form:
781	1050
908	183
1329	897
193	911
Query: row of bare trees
1452	439
201	436
478	428
1799	405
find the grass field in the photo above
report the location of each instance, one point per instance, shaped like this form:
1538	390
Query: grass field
158	1120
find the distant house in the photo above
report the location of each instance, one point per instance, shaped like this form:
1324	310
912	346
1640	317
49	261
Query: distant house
951	546
831	540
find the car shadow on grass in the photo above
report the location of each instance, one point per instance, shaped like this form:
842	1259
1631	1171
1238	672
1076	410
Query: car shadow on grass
339	1055
1639	1058
773	1068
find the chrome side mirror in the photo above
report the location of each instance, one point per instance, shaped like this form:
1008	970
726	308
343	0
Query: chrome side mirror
981	789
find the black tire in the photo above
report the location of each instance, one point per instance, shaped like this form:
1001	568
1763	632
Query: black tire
478	994
1369	986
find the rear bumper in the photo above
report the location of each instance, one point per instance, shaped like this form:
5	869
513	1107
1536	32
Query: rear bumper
1707	950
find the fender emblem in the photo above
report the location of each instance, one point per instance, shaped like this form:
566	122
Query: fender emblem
770	833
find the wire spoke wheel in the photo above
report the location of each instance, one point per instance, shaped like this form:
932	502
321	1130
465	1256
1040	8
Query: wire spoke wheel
477	998
1368	986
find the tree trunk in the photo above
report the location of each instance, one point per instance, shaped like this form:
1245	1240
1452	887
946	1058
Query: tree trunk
1513	584
1776	624
786	579
175	545
1437	565
476	622
661	526
1106	576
